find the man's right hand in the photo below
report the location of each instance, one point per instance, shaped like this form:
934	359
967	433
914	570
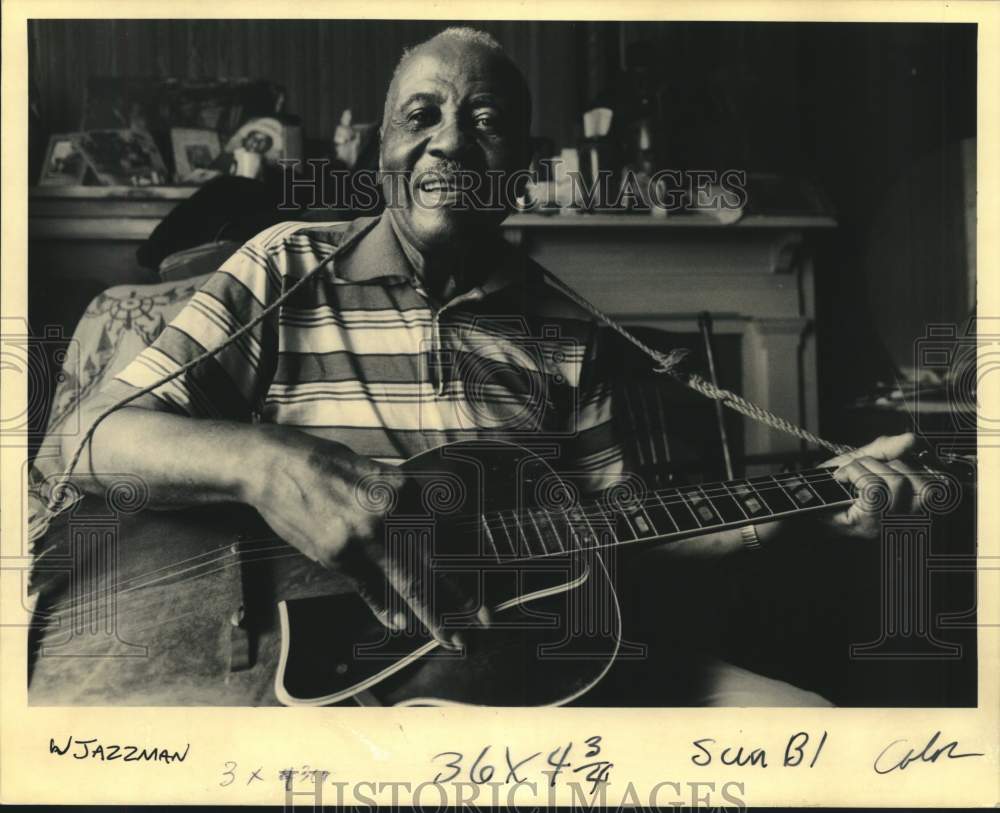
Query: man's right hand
310	491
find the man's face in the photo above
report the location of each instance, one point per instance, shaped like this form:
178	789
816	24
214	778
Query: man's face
455	109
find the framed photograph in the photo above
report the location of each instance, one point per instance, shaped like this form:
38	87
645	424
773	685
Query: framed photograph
123	158
268	137
157	104
194	150
64	164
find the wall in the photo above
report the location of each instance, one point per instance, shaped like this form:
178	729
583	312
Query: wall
325	66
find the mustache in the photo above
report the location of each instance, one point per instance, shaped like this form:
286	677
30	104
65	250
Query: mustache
443	173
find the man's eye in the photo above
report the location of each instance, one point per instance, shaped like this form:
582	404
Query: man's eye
489	122
421	118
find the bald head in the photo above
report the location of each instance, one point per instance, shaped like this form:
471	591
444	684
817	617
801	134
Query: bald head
477	50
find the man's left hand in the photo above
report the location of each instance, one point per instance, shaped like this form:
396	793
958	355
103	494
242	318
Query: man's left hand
884	485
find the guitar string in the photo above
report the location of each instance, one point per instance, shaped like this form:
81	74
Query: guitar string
614	543
806	476
232	562
676	497
595	511
293	553
223	553
657	498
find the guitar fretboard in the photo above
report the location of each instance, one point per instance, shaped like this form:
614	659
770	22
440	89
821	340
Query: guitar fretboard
660	515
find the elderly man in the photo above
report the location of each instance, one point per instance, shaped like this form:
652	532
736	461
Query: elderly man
354	371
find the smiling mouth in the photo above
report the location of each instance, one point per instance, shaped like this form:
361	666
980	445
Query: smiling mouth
438	185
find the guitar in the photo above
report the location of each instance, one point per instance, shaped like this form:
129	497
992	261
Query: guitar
207	607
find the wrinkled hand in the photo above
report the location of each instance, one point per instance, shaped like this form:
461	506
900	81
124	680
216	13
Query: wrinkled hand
884	484
330	504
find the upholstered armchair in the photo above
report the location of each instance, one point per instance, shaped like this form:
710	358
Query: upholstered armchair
116	326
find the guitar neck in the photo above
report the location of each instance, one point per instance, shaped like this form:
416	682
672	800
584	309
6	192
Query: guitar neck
662	515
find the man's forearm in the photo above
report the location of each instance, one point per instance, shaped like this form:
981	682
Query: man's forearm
728	542
708	546
183	461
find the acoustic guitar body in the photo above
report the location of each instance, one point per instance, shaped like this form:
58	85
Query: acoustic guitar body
207	607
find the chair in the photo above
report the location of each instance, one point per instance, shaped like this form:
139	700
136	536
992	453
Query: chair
115	327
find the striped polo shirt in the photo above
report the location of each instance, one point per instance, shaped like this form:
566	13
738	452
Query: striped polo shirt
362	354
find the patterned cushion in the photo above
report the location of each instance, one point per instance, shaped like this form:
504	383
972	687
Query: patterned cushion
116	326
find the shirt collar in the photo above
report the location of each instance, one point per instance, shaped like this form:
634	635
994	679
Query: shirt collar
369	251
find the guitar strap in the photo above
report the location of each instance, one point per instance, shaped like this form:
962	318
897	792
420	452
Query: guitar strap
671	363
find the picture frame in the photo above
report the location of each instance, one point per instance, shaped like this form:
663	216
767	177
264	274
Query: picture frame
123	157
194	150
156	104
64	164
274	140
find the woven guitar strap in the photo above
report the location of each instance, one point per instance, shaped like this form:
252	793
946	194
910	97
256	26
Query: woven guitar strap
671	364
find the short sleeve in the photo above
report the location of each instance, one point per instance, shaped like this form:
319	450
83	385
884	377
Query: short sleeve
229	384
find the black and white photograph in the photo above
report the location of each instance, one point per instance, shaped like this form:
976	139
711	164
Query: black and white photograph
596	364
63	164
585	525
122	157
194	152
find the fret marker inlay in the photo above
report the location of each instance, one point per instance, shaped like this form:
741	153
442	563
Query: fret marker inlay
640	523
800	491
748	499
701	505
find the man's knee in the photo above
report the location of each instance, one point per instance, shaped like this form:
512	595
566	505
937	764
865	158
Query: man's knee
728	685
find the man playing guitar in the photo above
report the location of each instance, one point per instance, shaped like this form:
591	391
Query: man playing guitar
356	369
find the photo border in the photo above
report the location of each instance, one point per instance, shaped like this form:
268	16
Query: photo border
649	747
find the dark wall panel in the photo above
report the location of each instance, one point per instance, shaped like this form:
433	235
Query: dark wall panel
325	66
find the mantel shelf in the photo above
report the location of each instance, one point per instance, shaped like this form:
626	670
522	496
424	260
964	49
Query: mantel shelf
645	221
143	193
131	213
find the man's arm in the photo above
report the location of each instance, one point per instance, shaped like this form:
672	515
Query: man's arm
306	489
183	461
192	440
